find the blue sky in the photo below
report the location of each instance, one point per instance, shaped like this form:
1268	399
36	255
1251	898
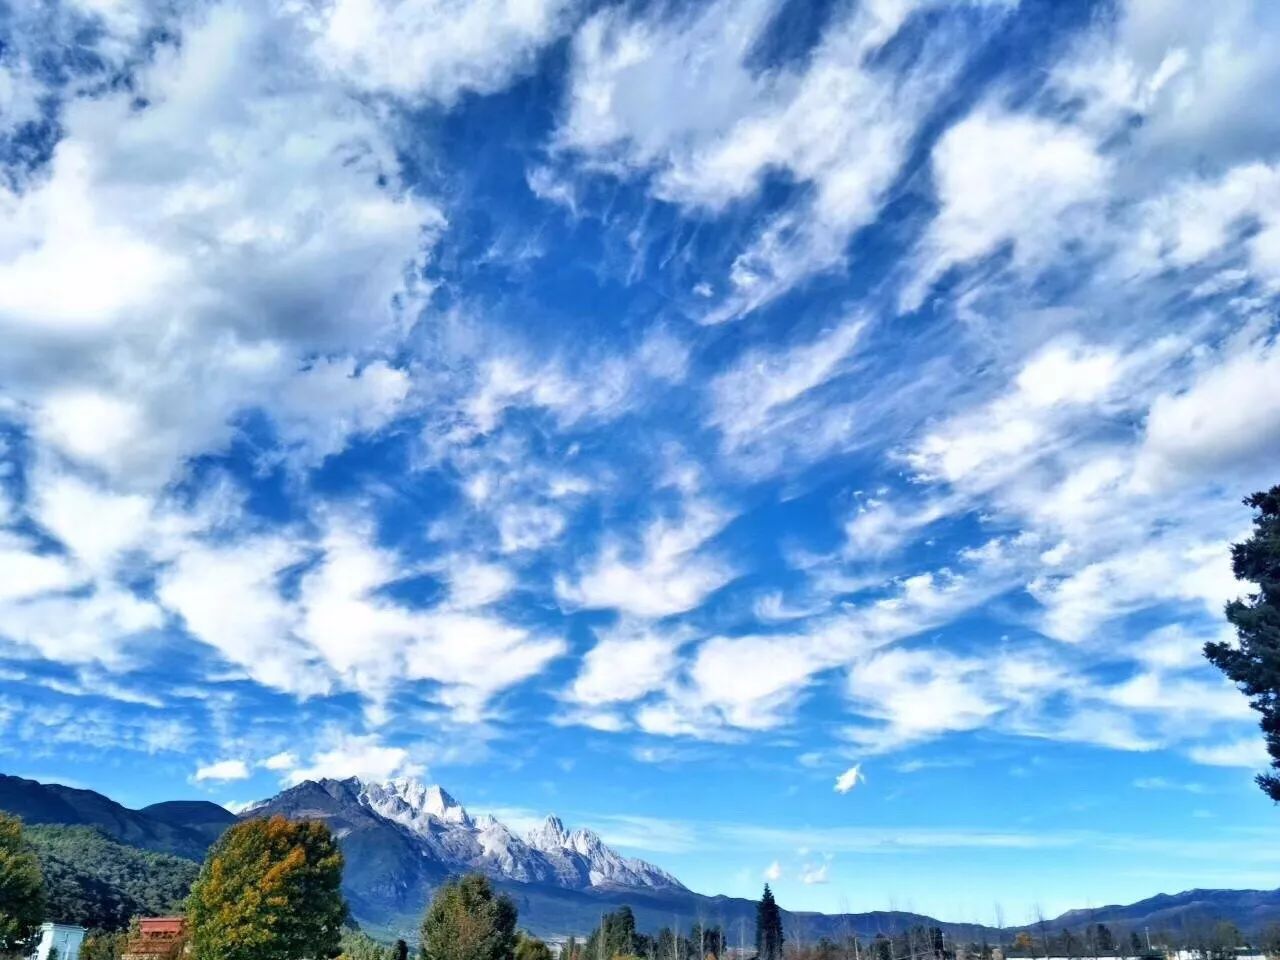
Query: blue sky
649	412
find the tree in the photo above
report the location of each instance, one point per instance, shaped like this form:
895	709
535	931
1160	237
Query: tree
1135	943
269	890
358	945
1254	665
1023	942
1103	938
531	948
400	951
21	888
468	921
769	938
1224	940
105	945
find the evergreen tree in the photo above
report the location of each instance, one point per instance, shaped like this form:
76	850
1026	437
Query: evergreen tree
1135	943
1254	665
468	921
21	888
269	890
769	938
400	951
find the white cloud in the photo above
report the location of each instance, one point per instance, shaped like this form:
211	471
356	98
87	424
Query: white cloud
918	694
474	583
356	755
626	663
815	873
269	226
285	760
435	49
769	405
773	872
1004	177
1247	752
669	572
1226	421
222	771
850	779
678	97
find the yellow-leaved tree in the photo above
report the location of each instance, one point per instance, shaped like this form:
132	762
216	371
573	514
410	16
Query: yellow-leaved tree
269	890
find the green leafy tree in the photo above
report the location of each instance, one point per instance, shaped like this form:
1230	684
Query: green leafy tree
104	945
269	890
1254	665
769	938
99	883
468	921
358	945
21	888
531	948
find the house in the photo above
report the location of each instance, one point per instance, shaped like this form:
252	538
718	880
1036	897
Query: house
157	938
59	940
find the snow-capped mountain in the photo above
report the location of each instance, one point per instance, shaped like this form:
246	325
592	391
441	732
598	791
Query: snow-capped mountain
441	831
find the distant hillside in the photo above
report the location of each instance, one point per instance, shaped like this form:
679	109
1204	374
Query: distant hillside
1250	910
100	883
53	803
200	816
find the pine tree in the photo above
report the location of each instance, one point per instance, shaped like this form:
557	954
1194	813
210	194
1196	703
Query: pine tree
269	890
468	921
768	927
1254	665
21	888
400	951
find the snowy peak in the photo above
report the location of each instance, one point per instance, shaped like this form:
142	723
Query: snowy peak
549	836
414	805
550	853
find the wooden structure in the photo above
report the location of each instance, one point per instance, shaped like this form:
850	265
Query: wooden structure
157	938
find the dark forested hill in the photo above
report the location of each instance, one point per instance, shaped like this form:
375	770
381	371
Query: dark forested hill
100	883
53	803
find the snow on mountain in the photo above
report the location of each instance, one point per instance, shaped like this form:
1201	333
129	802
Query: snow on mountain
548	854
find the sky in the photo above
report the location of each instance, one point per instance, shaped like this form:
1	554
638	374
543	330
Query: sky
800	440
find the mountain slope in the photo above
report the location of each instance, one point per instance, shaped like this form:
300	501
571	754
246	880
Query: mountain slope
428	818
1184	912
200	816
100	883
54	803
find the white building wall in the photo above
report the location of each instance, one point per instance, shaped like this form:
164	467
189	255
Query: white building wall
63	938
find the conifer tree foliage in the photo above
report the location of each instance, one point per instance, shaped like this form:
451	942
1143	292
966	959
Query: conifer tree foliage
468	921
1254	665
269	890
21	888
768	927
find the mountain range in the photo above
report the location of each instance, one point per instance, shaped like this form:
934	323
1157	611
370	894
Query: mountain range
402	839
